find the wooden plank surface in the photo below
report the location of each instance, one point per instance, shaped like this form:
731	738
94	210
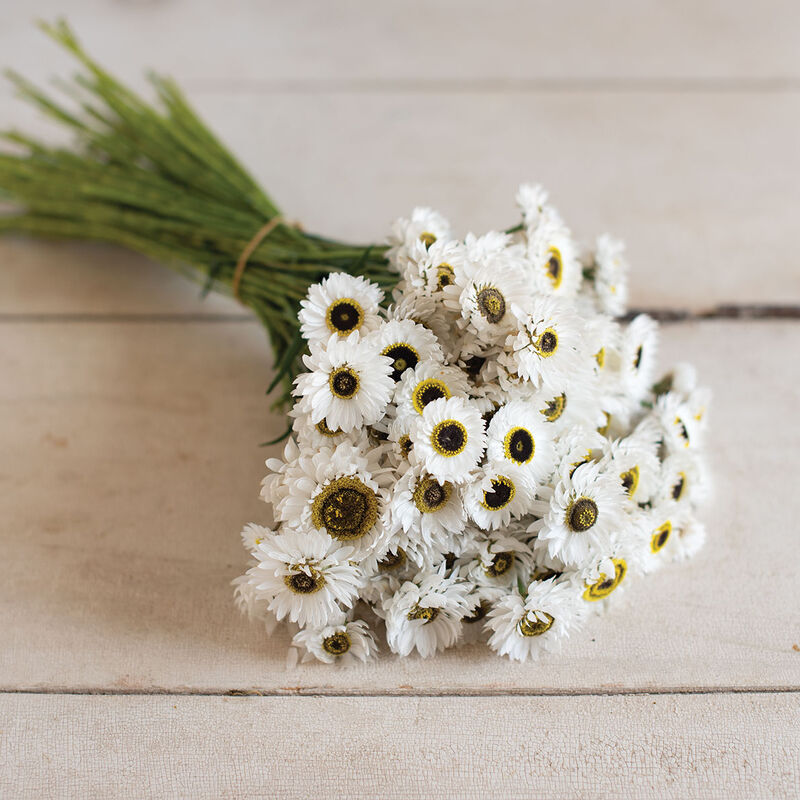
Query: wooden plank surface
131	462
701	746
708	219
423	40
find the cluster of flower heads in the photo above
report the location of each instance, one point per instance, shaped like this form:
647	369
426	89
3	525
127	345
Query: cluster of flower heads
492	457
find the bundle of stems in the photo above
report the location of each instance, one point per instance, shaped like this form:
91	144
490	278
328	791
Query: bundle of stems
157	181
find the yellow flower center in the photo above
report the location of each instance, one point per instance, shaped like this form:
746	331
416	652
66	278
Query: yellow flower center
346	508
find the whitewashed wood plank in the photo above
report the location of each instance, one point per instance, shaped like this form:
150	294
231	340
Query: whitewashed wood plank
129	463
421	40
733	746
708	215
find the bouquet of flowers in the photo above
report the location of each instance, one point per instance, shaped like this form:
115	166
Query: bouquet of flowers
488	457
479	447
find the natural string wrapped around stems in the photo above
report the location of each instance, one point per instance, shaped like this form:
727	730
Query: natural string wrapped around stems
160	183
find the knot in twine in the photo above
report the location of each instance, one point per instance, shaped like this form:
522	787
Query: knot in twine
250	247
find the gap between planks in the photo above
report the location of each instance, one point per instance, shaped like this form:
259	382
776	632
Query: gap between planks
767	85
722	312
298	691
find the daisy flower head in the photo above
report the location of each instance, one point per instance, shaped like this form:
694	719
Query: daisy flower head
610	275
532	199
501	562
677	424
334	491
305	576
449	439
691	536
683	479
406	343
426	510
586	508
499	492
424	225
635	460
253	535
425	613
658	533
553	256
339	304
525	627
546	347
349	383
433	268
638	357
606	575
518	434
310	436
339	642
486	294
401	448
428	381
577	446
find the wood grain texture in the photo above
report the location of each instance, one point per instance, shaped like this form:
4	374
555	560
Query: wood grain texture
130	463
735	746
708	216
422	40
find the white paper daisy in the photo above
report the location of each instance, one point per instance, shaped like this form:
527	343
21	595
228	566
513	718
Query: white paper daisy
585	509
340	642
426	382
525	627
610	275
339	304
486	295
425	614
519	435
501	562
305	576
406	343
638	351
555	268
497	493
349	383
449	439
426	514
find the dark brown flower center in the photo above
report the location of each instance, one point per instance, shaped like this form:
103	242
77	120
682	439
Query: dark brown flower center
491	304
392	561
336	645
554	408
430	495
660	536
449	438
501	563
427	391
343	383
500	495
304	583
481	610
403	357
582	514
555	267
519	445
345	315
